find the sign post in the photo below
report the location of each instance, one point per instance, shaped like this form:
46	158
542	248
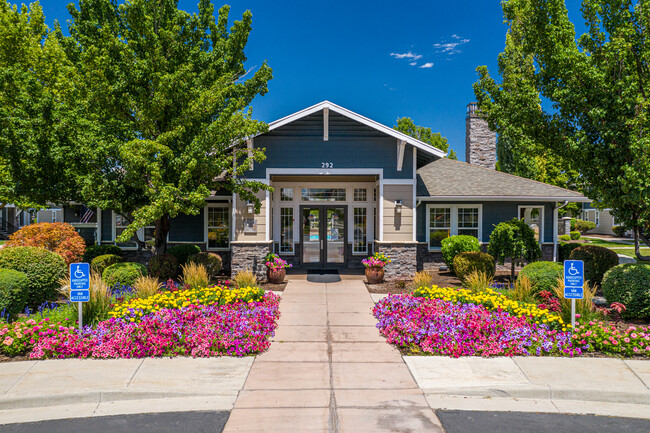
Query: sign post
80	286
574	281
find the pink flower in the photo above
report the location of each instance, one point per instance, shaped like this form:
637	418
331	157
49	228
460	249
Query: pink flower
8	341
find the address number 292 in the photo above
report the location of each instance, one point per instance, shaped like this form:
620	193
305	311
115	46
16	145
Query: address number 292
327	165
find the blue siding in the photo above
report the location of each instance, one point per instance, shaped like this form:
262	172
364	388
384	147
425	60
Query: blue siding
351	145
493	214
187	228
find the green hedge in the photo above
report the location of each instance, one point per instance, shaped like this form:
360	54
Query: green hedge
93	251
163	266
629	284
565	238
575	235
454	245
123	274
468	262
100	263
564	250
13	292
542	275
581	225
619	231
598	260
43	268
182	252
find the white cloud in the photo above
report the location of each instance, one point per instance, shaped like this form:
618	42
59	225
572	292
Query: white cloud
413	63
408	55
427	65
451	48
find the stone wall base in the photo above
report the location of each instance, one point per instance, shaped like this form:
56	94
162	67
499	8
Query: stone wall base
249	256
403	258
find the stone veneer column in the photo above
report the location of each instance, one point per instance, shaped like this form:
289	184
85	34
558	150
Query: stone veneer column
249	255
403	257
480	142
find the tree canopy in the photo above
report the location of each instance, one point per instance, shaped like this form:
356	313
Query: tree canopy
583	99
424	134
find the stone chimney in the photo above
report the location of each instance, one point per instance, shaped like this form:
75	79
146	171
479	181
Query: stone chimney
480	142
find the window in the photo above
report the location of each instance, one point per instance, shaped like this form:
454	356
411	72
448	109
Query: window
360	194
360	244
323	194
286	194
450	220
121	223
374	194
597	218
286	230
534	217
218	227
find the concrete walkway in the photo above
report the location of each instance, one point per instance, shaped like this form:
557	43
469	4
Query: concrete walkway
329	370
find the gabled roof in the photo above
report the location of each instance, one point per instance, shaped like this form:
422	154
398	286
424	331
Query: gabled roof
358	118
447	179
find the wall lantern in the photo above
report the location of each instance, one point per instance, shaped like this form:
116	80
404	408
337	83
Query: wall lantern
398	206
250	206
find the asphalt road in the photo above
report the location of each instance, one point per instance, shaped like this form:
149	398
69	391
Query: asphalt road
453	421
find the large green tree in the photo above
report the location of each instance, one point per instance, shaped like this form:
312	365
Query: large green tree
168	97
424	134
40	119
585	99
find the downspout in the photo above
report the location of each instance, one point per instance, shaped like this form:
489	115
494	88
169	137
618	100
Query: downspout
555	222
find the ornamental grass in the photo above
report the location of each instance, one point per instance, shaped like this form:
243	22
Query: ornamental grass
434	326
493	300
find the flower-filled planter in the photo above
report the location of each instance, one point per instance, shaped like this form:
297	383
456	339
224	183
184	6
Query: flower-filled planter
375	268
275	269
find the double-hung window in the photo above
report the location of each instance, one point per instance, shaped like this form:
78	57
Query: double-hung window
450	220
218	227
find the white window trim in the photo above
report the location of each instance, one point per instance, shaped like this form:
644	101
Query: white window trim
542	217
206	228
453	230
368	227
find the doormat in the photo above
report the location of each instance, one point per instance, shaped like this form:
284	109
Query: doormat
323	276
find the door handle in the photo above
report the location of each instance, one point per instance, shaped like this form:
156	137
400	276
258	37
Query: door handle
321	244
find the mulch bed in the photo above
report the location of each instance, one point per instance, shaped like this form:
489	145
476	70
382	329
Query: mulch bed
273	287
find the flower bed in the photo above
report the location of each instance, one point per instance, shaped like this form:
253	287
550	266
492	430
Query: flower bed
17	338
633	340
422	325
493	300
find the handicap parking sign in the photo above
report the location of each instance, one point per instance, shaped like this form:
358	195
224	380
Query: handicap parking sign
574	279
79	282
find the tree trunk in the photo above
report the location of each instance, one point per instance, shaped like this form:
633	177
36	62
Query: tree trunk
160	234
637	250
512	271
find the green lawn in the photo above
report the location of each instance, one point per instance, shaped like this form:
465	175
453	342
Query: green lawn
606	244
630	251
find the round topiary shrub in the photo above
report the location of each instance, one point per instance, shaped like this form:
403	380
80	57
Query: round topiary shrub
182	252
123	274
565	238
60	238
454	245
564	250
542	275
93	251
43	268
619	231
629	284
212	262
575	235
582	226
13	293
468	262
598	260
102	262
163	266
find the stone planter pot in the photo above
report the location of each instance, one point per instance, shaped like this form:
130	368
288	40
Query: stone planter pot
375	275
275	277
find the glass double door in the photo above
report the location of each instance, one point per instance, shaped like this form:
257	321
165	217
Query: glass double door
323	233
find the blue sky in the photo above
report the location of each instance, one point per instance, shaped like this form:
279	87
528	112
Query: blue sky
381	59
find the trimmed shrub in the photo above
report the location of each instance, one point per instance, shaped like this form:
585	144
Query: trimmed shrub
454	245
163	266
124	274
629	284
564	250
619	231
212	262
598	260
102	262
542	275
13	292
565	238
473	261
582	226
182	252
60	238
575	235
43	268
93	251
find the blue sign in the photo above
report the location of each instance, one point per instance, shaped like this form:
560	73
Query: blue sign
574	279
79	282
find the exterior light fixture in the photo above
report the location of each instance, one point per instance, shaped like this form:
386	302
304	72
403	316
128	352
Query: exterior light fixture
398	206
250	206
